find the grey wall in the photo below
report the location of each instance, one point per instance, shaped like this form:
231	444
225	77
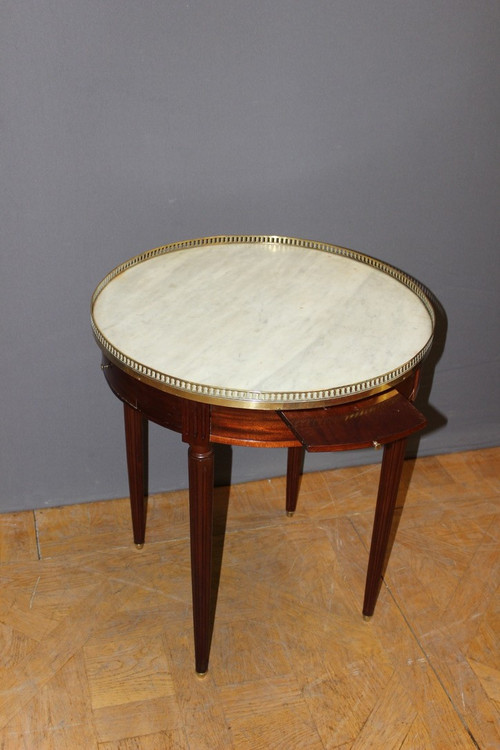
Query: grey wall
126	125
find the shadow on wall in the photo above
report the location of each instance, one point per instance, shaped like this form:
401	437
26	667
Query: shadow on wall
435	419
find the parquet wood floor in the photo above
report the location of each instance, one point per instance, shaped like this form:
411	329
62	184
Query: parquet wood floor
96	639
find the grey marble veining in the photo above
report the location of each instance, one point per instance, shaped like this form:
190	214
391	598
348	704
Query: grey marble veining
262	318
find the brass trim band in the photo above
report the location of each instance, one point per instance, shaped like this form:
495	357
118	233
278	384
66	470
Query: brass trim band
262	399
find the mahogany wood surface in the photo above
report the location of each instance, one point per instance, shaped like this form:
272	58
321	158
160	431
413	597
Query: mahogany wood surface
156	406
385	419
136	429
370	422
390	475
196	432
295	462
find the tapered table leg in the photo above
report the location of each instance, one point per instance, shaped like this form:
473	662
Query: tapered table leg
390	475
201	478
136	432
295	462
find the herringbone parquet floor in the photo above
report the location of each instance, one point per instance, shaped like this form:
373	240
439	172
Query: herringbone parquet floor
96	640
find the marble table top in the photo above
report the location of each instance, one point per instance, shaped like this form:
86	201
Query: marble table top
262	322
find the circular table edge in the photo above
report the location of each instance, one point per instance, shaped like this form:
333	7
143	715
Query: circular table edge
275	400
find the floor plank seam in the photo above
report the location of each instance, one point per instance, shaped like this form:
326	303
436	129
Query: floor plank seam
37	535
429	661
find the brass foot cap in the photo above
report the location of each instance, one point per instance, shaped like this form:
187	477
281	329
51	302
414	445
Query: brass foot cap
201	675
290	513
367	618
139	546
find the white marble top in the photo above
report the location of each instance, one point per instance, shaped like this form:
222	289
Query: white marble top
262	322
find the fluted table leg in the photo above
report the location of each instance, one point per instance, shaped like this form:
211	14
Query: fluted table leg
196	432
136	433
295	463
201	472
390	475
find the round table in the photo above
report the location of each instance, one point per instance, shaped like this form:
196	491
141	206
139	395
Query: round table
263	341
